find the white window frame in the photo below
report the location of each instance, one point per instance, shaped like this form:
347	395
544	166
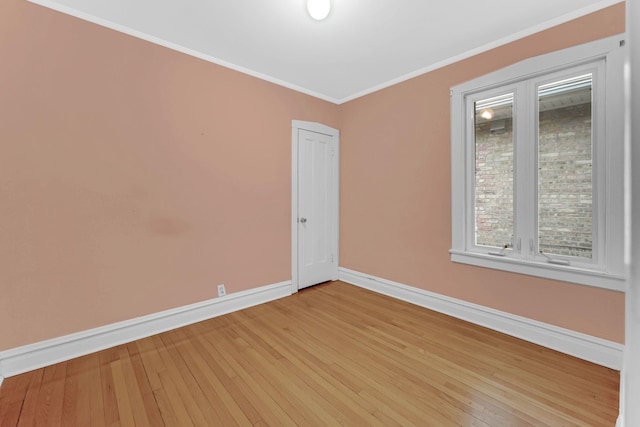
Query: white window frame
604	58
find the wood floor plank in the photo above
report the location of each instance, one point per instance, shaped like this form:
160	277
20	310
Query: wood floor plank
226	385
264	356
170	404
366	364
123	399
327	386
253	385
109	398
365	360
187	386
333	354
30	404
138	379
13	396
92	382
151	361
359	371
76	409
51	395
337	386
206	375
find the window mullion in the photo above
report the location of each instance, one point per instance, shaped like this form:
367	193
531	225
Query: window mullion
601	196
524	171
470	176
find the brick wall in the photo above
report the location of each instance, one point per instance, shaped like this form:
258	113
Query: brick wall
494	185
564	182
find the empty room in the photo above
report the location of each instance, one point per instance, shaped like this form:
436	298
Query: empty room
317	213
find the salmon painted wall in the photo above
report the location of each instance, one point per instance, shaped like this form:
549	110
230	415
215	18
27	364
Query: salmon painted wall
133	178
396	192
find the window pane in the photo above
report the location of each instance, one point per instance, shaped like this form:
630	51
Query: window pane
565	176
494	171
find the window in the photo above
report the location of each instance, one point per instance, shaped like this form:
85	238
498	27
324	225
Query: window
537	156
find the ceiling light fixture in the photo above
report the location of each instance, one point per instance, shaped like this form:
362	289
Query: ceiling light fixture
319	9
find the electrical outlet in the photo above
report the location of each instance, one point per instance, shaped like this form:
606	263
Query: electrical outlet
221	291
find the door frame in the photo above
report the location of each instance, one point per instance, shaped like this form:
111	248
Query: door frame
296	127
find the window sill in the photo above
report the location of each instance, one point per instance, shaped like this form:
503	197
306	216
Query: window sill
549	271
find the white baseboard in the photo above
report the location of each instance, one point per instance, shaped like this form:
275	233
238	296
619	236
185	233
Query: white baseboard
34	356
583	346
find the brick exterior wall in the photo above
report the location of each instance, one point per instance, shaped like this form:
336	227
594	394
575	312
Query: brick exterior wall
564	182
494	185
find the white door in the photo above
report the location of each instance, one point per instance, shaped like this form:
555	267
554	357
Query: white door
315	204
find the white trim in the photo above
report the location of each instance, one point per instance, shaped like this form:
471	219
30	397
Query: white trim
606	270
440	64
296	126
486	47
630	375
34	356
570	274
587	347
179	48
315	127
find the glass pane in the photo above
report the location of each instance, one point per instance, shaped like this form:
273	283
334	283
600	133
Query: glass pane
565	176
494	171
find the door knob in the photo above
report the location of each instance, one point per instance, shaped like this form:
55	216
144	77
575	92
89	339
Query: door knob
303	220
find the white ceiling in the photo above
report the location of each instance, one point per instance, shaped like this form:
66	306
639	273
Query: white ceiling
363	45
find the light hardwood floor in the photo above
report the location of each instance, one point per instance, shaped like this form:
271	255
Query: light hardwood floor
330	355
